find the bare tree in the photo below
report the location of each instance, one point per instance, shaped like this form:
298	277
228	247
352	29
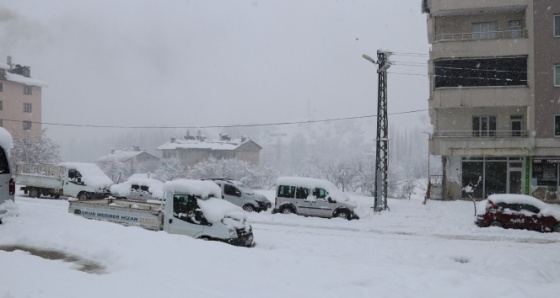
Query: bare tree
35	149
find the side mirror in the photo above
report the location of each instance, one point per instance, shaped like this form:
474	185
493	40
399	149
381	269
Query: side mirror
331	200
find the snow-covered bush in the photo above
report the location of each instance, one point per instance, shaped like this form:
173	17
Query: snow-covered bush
35	149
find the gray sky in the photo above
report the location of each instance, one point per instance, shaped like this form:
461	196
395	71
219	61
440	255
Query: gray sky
193	63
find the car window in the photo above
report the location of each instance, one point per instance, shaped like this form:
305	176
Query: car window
134	187
144	188
285	191
186	208
231	191
531	208
320	193
302	193
4	167
244	187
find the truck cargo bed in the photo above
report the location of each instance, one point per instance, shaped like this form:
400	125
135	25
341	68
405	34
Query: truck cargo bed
145	215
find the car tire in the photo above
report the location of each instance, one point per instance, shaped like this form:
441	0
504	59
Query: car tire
249	208
557	228
286	210
34	193
83	196
342	214
496	224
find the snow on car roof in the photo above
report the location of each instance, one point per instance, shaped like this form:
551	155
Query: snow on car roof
545	209
91	173
6	140
154	186
308	183
201	188
516	199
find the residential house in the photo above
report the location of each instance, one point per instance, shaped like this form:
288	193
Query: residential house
20	99
494	100
129	160
191	150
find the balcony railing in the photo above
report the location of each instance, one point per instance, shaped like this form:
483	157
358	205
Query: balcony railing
508	34
481	134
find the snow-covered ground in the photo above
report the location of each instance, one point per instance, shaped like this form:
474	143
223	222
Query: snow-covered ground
413	250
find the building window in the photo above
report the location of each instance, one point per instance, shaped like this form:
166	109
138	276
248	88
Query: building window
515	29
557	125
480	72
484	126
1	86
557	75
26	125
1	105
1	124
27	89
487	30
27	108
557	25
516	124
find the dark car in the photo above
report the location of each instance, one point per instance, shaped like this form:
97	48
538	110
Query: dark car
513	211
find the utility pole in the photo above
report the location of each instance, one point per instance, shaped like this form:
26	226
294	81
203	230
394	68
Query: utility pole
382	139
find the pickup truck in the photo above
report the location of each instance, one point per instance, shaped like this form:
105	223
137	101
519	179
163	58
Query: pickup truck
190	207
70	179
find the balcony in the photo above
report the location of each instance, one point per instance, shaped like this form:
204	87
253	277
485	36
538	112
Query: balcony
481	143
508	34
480	134
472	7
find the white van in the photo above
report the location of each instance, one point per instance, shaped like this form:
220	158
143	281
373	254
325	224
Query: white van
7	181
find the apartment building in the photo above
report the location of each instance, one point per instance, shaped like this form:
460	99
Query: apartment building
495	96
20	99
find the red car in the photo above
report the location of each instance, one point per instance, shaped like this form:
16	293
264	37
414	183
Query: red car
512	211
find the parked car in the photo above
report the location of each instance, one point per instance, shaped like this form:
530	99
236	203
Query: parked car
312	197
7	181
518	212
139	188
241	195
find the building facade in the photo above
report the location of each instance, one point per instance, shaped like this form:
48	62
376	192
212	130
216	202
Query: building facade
20	99
191	150
495	95
129	161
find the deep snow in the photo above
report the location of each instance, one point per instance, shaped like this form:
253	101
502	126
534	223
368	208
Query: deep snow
414	250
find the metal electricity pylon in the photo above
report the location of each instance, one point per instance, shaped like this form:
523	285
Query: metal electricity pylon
382	138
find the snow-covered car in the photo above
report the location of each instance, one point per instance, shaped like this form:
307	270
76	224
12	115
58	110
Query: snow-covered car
312	197
7	182
139	189
517	212
242	195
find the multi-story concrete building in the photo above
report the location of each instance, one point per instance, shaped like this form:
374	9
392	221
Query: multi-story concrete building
495	95
20	99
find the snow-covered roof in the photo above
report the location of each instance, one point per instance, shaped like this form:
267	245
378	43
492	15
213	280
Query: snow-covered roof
6	140
154	186
121	155
91	174
25	80
199	188
308	183
204	144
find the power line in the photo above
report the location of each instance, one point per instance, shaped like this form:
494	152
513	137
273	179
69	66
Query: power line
212	126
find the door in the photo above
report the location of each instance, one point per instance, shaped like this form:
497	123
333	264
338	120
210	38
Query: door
73	183
304	206
186	218
324	207
516	123
232	195
515	176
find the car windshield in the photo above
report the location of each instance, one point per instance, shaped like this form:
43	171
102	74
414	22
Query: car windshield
244	188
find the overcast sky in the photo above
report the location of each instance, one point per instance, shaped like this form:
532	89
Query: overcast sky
196	63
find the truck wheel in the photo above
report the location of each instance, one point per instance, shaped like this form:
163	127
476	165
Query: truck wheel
248	208
83	196
34	193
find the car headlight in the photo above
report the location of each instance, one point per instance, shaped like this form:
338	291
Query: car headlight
232	233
